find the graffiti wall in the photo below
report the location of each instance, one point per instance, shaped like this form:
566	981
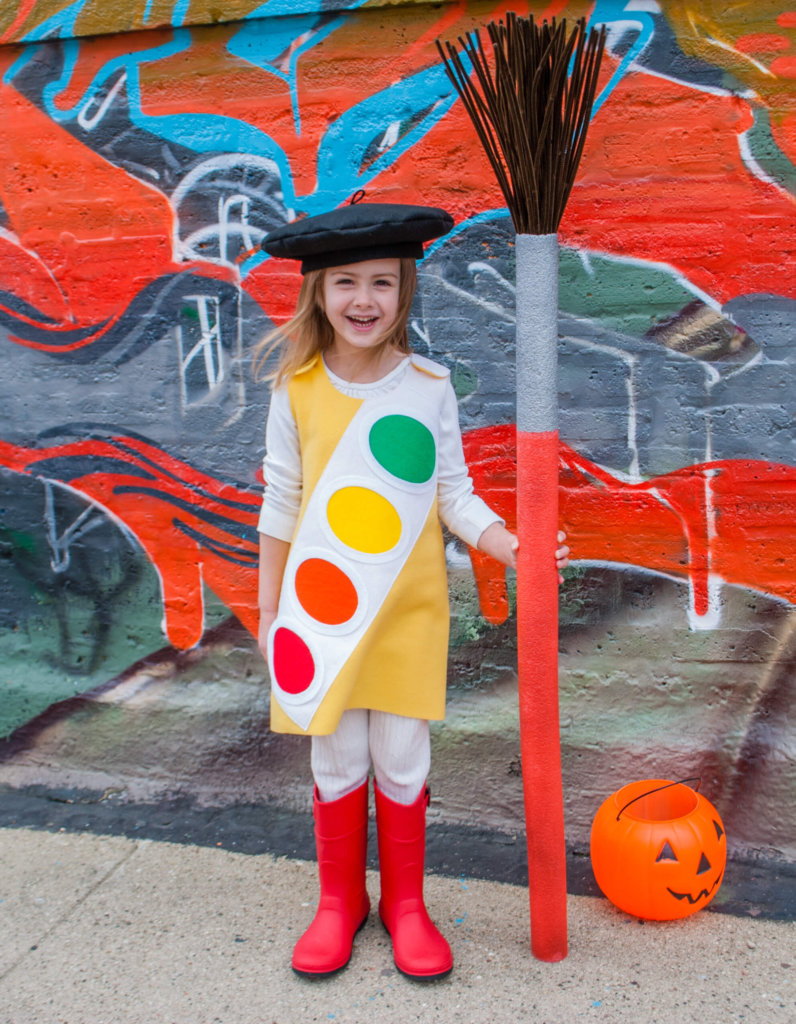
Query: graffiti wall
146	150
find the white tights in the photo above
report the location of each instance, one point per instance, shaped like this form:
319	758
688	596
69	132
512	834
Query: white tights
398	747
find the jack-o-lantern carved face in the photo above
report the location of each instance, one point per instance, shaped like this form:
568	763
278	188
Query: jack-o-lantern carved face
705	874
658	849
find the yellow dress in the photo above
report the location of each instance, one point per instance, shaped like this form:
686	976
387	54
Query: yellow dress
395	594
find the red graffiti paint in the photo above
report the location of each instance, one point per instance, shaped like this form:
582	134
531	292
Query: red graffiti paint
684	172
94	235
24	10
732	520
670	171
90	241
275	285
192	527
87	236
24	274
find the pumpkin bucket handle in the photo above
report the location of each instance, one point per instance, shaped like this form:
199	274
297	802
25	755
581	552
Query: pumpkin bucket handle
694	778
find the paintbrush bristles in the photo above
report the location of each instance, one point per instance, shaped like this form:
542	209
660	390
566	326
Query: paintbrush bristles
530	109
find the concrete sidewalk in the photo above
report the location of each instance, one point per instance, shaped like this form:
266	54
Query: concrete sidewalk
108	930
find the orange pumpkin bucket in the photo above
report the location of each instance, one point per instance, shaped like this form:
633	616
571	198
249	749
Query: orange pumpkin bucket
658	849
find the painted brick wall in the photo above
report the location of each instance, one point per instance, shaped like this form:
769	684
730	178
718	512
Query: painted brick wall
146	149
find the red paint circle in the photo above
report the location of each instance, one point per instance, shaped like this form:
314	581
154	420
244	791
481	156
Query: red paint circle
783	67
762	42
294	666
325	592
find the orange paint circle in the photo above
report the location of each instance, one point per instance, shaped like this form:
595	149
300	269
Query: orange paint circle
325	592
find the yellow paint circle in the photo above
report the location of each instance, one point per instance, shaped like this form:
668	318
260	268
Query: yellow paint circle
363	520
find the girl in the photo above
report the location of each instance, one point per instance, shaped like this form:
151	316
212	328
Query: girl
364	456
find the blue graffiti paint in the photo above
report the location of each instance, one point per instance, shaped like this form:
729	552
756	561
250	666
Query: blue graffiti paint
383	126
262	44
18	65
478	218
612	13
71	51
251	264
273	9
57	26
180	12
204	133
128	62
282	8
420	101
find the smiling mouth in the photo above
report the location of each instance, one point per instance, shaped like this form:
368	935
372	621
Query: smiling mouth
704	894
362	321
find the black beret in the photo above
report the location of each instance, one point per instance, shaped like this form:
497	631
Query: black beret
358	232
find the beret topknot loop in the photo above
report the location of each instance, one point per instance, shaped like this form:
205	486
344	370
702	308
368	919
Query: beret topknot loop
358	232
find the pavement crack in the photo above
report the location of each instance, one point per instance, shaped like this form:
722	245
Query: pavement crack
69	912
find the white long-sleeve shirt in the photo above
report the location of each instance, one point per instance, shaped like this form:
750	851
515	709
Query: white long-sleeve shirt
462	511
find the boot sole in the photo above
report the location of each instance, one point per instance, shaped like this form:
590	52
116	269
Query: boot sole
424	977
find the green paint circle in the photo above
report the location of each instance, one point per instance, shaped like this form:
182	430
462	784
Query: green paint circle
404	447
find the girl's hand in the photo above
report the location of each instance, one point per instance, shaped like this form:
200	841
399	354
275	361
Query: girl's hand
266	621
497	542
561	555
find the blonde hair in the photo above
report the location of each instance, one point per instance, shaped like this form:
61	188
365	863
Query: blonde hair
308	333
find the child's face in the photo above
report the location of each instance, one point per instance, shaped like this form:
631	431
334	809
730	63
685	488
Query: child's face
361	302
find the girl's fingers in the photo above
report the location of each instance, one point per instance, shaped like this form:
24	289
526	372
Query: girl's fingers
561	555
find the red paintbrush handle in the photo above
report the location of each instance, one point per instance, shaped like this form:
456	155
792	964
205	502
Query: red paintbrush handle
537	656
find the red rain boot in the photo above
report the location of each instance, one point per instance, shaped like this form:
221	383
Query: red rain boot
419	950
341	838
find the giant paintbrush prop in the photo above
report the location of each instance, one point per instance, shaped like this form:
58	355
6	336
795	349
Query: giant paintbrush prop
531	109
